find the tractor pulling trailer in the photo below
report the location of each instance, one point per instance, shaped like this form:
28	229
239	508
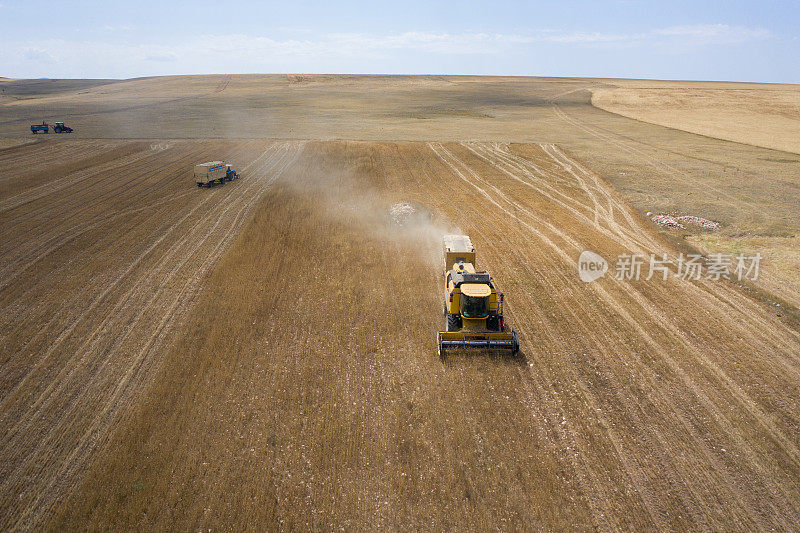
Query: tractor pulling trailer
44	127
473	308
213	172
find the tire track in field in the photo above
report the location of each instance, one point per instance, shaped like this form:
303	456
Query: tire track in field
98	299
91	192
63	233
646	306
674	172
609	422
756	326
614	202
57	217
707	290
135	376
504	240
41	156
513	166
142	317
595	484
68	180
629	319
657	318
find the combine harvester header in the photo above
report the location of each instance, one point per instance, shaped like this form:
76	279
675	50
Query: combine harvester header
473	308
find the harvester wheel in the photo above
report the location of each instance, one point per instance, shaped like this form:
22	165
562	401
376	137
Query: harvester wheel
453	322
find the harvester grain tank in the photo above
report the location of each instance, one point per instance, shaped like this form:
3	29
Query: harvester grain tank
214	172
473	307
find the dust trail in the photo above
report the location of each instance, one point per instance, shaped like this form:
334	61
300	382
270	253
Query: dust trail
390	217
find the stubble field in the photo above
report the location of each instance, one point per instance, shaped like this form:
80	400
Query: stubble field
262	355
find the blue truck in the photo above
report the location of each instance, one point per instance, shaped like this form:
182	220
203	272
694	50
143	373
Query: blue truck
44	127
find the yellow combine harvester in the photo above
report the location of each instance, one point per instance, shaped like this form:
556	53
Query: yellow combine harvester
473	309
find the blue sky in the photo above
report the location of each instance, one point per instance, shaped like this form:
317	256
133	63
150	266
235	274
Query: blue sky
711	40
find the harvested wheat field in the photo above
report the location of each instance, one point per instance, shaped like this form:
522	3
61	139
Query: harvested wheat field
262	355
765	115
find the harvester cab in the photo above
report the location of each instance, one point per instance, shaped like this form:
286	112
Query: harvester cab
473	307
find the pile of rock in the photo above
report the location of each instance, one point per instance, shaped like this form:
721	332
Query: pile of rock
698	221
670	221
667	221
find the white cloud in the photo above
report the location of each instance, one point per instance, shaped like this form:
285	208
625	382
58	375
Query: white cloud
348	44
581	37
246	53
124	27
39	55
163	57
715	33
